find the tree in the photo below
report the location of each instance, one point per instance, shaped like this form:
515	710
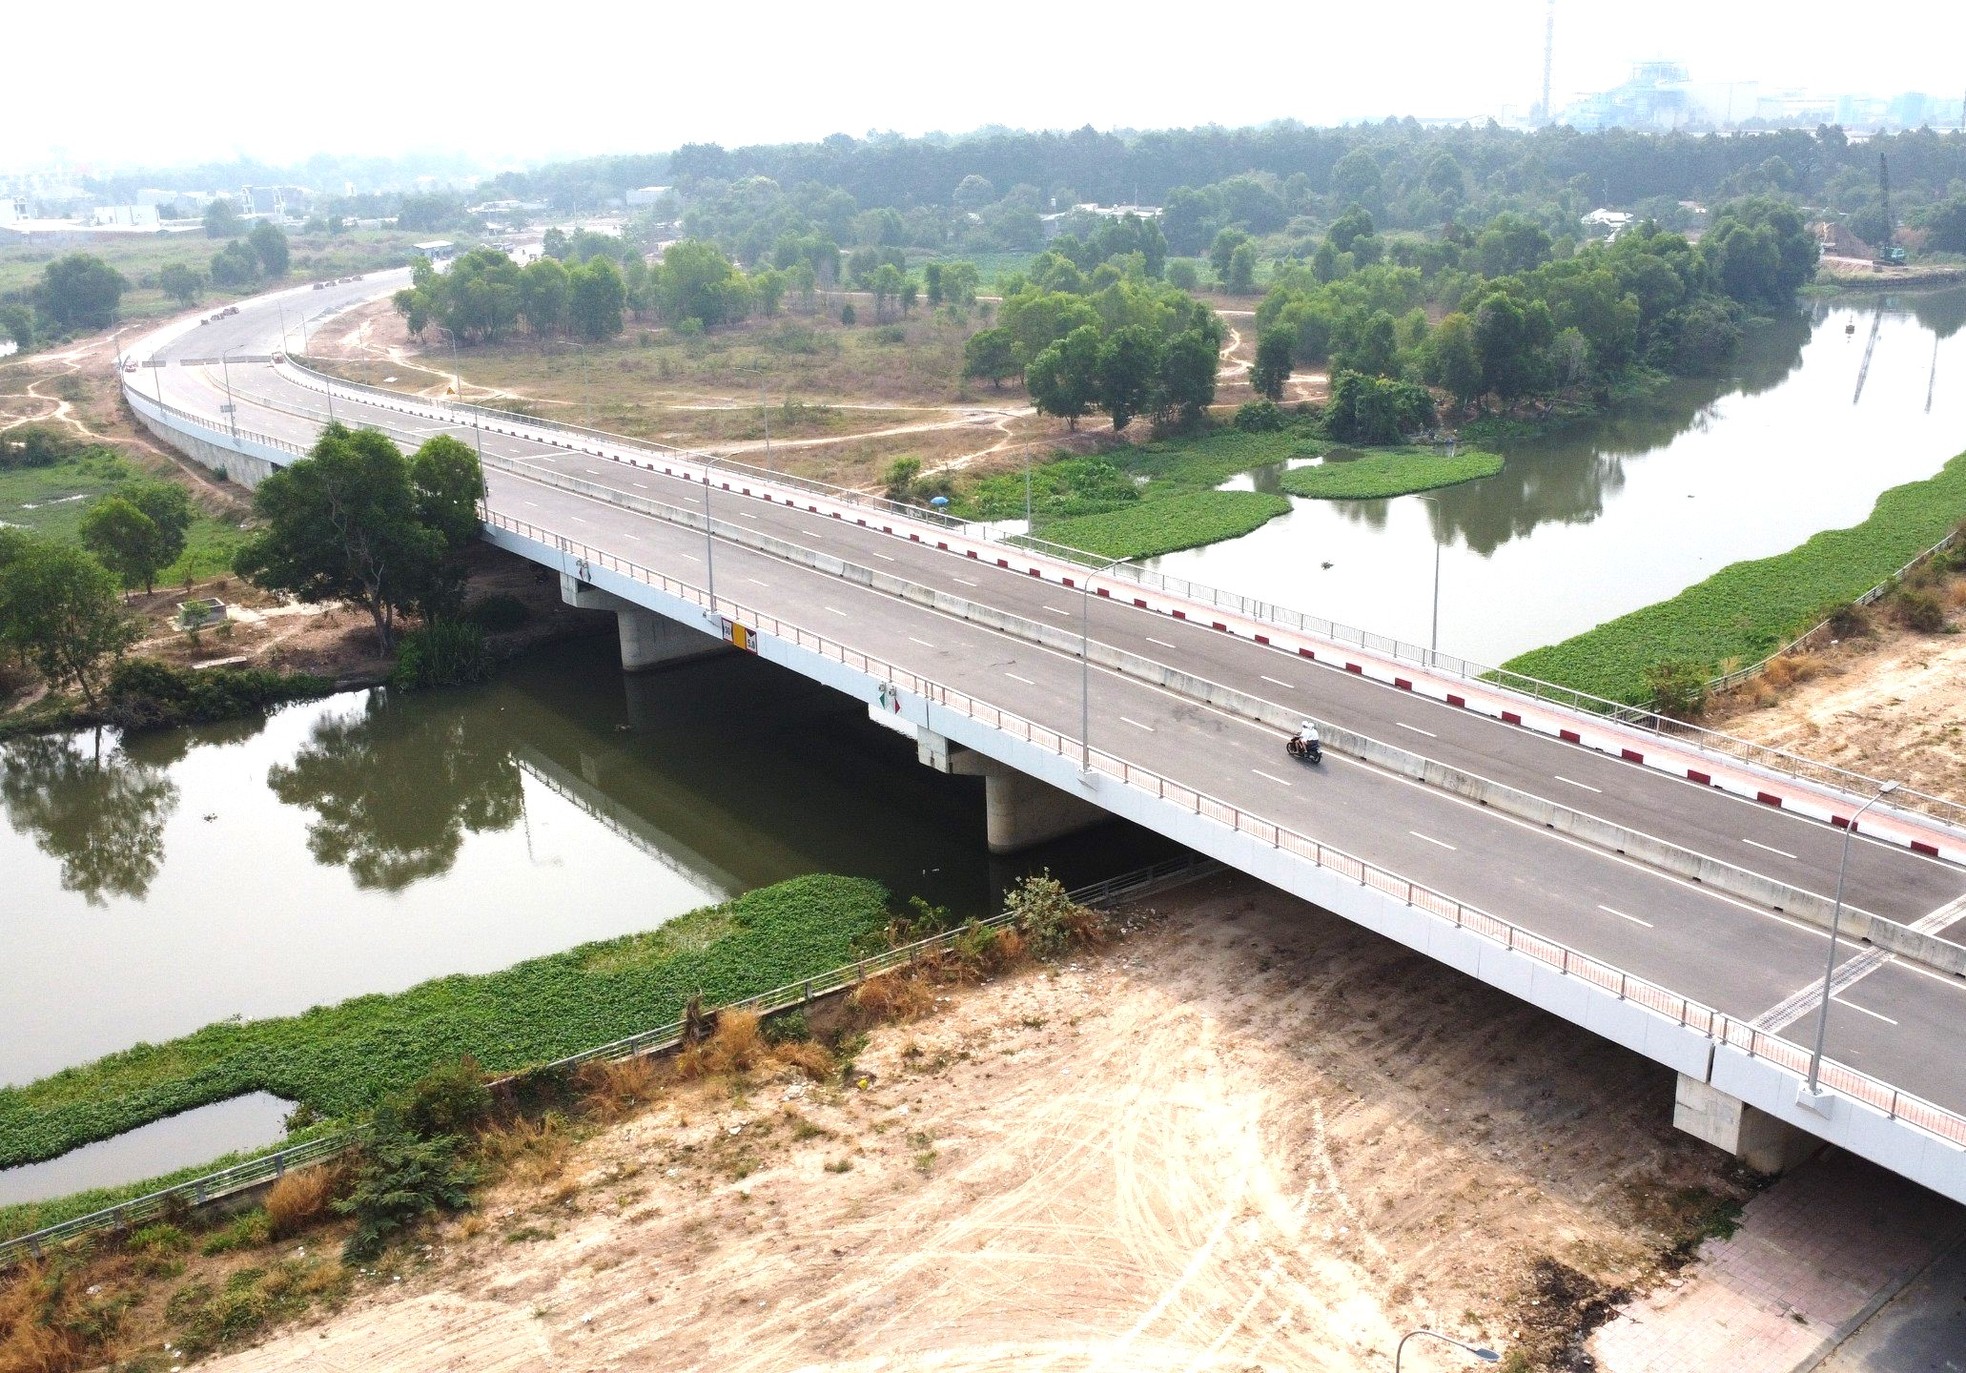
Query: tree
543	294
1375	409
1064	378
17	323
181	283
341	525
596	299
1510	339
1187	376
1241	279
1221	253
1451	362
80	291
222	220
1272	366
1129	367
61	610
696	283
1945	226
959	282
139	531
270	243
235	266
990	353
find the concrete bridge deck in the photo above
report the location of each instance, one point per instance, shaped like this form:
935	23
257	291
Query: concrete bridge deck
1220	781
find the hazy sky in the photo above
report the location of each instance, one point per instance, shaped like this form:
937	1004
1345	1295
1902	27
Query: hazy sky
124	83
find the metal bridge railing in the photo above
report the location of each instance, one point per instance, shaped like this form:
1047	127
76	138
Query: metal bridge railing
1929	1116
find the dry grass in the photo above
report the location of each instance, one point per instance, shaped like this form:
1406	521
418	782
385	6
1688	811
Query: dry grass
892	996
532	1152
301	1198
35	1336
734	1046
811	1059
610	1090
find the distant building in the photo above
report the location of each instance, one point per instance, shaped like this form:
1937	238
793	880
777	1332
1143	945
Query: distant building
1611	223
274	202
13	208
644	196
123	217
437	249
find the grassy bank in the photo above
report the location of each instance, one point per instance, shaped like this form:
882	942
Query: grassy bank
336	1060
1745	612
52	500
1382	472
1147	529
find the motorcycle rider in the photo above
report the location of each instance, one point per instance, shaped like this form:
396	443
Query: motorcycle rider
1306	744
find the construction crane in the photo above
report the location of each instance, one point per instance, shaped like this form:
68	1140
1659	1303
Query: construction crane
1889	254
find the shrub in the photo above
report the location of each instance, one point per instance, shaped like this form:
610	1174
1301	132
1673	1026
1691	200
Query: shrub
147	694
1676	688
1850	621
35	445
399	1179
787	1027
810	1059
1259	417
299	1199
441	653
499	614
1921	610
450	1099
1049	919
734	1046
247	1231
891	996
613	1086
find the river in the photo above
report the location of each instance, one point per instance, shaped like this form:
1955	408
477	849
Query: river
371	840
1615	513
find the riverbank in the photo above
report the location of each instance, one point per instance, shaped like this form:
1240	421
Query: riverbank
1212	1139
337	1061
1748	610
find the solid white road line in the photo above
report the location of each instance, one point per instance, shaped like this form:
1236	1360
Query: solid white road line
747	515
1274	682
923	642
884	558
964	580
1272	776
1770	848
1056	611
691	556
1162	642
1622	916
1864	1010
1416	729
755	582
1586	786
841	613
1015	678
1431	840
1137	725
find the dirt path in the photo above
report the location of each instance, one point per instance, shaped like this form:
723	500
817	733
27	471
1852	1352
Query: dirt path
1251	1138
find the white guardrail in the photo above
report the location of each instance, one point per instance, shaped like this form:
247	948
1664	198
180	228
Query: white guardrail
1712	743
1926	1115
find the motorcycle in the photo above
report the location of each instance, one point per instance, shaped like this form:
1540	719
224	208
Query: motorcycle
1305	750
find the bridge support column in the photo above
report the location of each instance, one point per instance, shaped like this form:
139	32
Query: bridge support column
1758	1139
1018	811
648	640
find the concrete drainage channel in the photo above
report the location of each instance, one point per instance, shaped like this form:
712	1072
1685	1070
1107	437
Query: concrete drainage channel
1811	907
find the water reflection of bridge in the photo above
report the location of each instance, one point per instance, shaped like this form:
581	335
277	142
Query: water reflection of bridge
664	846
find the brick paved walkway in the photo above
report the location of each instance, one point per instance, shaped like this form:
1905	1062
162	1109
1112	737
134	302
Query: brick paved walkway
1814	1254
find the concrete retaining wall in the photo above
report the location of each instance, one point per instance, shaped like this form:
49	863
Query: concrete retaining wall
240	460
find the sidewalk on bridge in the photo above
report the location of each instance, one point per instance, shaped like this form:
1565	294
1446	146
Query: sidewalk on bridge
1815	1256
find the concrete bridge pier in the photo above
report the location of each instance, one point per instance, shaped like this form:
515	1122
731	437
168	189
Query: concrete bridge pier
1018	810
1761	1141
648	640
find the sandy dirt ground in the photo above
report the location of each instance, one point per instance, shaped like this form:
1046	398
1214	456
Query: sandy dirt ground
1245	1136
1892	705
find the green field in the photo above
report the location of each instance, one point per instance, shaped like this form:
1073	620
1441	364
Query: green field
52	500
1149	528
338	1060
1382	472
140	257
1743	613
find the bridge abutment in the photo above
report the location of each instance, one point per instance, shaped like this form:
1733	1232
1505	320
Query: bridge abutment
648	640
1761	1141
1018	810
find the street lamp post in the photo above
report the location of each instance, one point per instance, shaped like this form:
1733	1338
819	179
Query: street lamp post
709	540
1433	644
1484	1354
1085	666
1812	1092
231	408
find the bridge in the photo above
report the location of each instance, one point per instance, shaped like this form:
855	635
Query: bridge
1668	888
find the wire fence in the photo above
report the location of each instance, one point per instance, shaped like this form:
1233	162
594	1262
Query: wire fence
270	1167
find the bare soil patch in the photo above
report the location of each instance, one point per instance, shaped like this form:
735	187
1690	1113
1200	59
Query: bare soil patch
1248	1136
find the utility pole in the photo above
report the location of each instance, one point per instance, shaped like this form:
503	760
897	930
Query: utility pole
231	408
